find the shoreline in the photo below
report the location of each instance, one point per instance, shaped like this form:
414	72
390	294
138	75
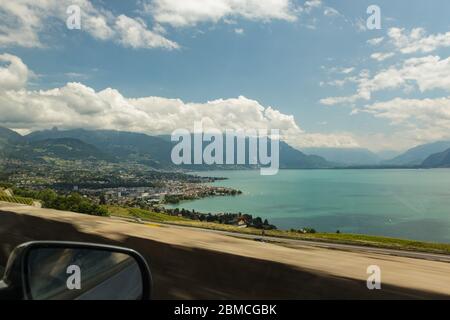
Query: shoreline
373	222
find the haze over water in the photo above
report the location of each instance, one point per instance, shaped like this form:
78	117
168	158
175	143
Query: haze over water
413	204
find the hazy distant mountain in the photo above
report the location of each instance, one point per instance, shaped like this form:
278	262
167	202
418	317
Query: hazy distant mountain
438	160
387	154
155	151
294	159
415	156
346	156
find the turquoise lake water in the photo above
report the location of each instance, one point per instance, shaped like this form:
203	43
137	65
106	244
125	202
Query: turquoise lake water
412	204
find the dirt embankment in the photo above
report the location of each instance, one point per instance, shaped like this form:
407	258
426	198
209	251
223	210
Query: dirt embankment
194	264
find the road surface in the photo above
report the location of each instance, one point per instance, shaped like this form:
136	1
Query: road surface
297	243
189	263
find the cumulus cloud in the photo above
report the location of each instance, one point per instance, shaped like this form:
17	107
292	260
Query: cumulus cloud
134	33
427	73
403	111
13	72
22	23
417	40
415	120
423	120
191	12
76	105
410	42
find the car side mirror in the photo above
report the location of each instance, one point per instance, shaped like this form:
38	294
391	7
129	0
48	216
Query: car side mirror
50	270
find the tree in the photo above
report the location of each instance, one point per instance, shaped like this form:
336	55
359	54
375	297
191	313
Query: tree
257	222
48	196
102	199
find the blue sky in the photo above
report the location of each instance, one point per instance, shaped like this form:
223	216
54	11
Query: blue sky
327	79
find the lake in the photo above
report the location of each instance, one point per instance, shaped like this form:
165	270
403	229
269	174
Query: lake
413	204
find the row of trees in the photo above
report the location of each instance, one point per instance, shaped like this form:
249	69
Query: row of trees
72	202
225	218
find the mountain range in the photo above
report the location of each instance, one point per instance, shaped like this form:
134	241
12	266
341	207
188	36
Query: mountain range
63	148
438	160
118	146
429	155
417	155
7	135
346	156
155	151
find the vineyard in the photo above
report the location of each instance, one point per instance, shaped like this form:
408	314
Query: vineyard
15	199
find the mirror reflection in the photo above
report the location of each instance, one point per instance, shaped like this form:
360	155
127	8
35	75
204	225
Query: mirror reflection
82	274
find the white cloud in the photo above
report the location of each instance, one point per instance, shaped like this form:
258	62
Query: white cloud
347	70
417	40
375	41
23	22
360	25
339	100
239	31
13	72
423	120
427	73
98	27
191	12
77	105
339	82
402	111
134	33
336	140
312	4
331	12
19	24
380	56
430	72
